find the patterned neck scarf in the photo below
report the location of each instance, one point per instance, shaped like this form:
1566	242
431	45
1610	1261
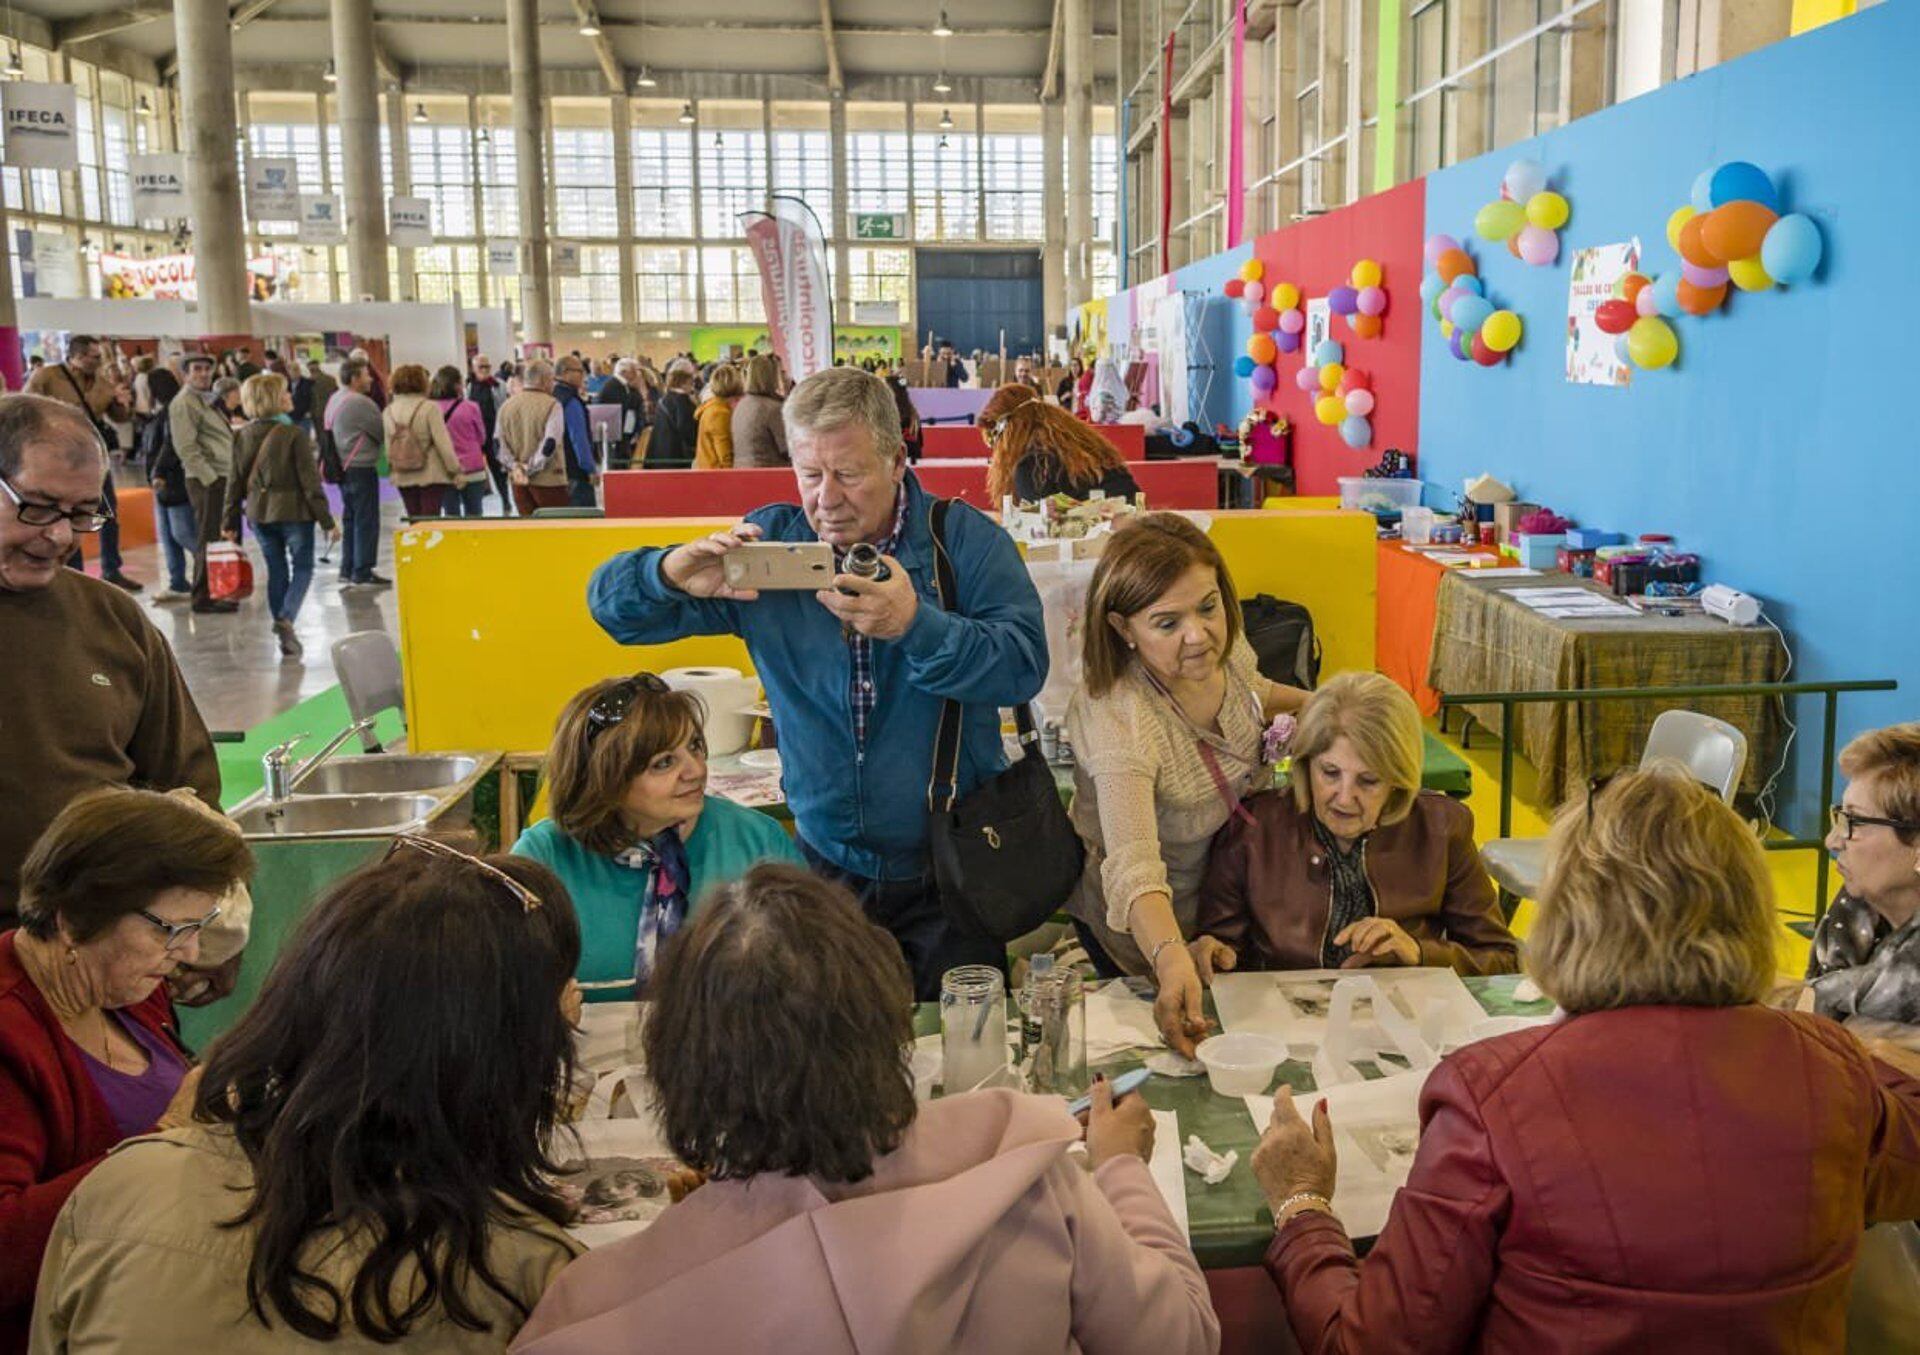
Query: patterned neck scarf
1352	895
665	906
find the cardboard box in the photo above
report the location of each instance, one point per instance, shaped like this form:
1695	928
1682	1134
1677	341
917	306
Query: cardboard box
1578	563
1506	517
1538	550
1592	538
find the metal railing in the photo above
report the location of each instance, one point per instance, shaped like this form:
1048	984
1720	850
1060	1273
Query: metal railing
1831	691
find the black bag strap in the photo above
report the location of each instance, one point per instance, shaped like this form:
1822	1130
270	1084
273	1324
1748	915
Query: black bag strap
946	743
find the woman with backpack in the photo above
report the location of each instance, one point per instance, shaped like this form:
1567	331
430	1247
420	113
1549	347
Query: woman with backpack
420	455
172	509
467	427
276	482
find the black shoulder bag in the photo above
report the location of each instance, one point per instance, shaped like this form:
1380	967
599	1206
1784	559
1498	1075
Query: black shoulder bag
1006	856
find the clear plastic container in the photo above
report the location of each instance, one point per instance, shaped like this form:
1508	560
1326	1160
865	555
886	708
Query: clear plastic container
973	1027
1378	496
1053	1029
1241	1064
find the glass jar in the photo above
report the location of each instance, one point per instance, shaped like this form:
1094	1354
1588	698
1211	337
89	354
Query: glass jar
1053	1029
973	1027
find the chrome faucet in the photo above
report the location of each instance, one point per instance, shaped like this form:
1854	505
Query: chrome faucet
281	777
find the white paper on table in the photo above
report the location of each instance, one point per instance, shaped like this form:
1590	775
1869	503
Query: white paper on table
600	1044
1588	613
1532	596
1376	1128
1507	572
617	1173
1169	1173
1292	1003
1119	1018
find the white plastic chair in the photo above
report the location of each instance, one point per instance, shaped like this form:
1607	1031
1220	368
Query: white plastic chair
1713	752
368	666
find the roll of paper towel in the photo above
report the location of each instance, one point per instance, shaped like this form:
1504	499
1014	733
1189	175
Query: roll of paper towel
725	693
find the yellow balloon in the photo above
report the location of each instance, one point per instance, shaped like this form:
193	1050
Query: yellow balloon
1330	374
1366	273
1750	275
1549	211
1329	409
1253	270
1446	329
1681	216
1284	296
1501	331
1651	342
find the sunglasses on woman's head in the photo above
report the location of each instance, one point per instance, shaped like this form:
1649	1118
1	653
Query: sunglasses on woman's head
527	899
613	705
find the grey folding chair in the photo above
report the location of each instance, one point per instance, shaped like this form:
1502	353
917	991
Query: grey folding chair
1713	752
368	666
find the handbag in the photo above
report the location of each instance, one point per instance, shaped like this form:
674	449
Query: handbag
1005	856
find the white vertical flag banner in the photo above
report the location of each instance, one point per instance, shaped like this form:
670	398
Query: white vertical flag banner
159	186
793	284
320	219
40	122
409	222
273	188
566	259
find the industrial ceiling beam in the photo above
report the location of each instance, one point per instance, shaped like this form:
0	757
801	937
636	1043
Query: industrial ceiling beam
835	80
593	30
250	10
112	21
1049	84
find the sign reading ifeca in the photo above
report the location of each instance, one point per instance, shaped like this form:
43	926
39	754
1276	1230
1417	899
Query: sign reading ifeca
40	121
273	188
409	222
159	186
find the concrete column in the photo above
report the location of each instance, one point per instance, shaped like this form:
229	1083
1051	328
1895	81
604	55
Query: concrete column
488	287
1053	200
213	178
1077	75
699	222
842	210
979	163
530	166
623	214
356	105
406	288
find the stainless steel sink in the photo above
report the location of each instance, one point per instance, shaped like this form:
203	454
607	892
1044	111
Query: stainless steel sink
387	774
337	815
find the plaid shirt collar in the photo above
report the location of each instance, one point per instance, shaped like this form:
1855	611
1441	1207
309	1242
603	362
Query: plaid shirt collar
861	694
890	543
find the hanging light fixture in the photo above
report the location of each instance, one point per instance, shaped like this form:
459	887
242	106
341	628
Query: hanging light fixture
645	79
590	26
485	138
718	141
946	120
330	75
943	29
942	85
686	114
419	112
145	105
13	70
943	141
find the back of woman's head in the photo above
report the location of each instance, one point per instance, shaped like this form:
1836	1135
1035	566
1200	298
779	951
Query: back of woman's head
1002	402
401	1070
1035	428
781	1018
162	386
763	375
1145	558
447	384
1655	893
727	382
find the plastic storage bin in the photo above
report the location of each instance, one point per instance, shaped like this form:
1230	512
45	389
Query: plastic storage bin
1379	496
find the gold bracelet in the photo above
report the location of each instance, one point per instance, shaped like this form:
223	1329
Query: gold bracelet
1310	1199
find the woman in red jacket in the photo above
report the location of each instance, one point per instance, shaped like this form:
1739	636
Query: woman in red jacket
112	900
1673	1167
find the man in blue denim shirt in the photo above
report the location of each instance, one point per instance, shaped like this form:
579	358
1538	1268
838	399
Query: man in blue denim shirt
856	674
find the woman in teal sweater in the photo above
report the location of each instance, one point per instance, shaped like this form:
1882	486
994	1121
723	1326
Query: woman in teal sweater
633	834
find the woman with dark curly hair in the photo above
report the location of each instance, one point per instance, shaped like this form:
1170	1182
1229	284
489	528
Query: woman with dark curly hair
840	1216
367	1160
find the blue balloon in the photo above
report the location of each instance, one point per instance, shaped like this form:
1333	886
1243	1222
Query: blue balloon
1702	195
1328	350
1243	366
1622	350
1430	287
1471	312
1467	282
1666	293
1355	431
1791	251
1738	181
1523	179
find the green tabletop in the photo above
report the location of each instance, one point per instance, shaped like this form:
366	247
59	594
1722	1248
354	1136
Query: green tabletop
1230	1223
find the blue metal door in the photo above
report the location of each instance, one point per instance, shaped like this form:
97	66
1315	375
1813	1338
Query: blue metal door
967	296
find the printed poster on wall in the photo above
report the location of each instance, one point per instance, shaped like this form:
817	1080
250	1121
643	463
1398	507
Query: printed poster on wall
503	258
1593	358
1170	320
320	219
159	186
1319	325
49	263
566	259
409	222
273	188
39	126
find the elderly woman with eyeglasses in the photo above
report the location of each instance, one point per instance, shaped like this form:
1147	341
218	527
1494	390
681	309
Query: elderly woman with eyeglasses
113	897
633	833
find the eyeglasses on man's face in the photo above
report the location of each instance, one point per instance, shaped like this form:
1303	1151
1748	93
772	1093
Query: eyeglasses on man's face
33	513
1838	815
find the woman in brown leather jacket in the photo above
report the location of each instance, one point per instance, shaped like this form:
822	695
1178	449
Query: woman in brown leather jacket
1354	864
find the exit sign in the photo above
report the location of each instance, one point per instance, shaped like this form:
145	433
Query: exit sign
879	225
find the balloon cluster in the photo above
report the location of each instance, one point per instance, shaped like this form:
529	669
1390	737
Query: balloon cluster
1474	329
1527	215
1633	316
1732	233
1342	395
1278	323
1363	302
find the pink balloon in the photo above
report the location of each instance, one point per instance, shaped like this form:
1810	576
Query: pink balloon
1287	343
1307	379
1360	403
1438	245
1703	277
1448	297
1538	246
1255	290
1644	303
1292	322
1373	301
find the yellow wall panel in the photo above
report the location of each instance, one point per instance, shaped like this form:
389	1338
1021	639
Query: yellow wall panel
495	633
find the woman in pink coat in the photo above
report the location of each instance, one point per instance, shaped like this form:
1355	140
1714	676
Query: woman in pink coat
468	429
840	1216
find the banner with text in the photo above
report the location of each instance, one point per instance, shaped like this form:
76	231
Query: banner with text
793	284
40	121
159	186
566	259
409	222
503	258
273	188
171	277
851	343
49	263
320	219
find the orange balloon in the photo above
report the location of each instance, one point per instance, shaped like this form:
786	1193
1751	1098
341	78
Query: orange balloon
1366	326
1454	263
1513	244
1694	247
1631	284
1262	349
1700	300
1737	230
